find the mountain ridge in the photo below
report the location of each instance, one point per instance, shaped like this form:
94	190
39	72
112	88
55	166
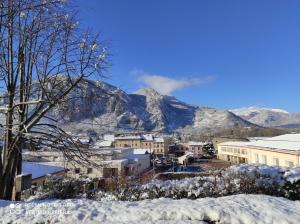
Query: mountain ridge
108	108
269	117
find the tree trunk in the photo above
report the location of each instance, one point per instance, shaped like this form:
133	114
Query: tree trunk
9	155
8	175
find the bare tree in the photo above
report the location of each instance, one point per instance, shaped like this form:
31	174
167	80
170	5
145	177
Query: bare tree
44	55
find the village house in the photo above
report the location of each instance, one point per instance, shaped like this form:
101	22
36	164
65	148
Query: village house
160	147
132	141
157	145
196	148
177	149
283	150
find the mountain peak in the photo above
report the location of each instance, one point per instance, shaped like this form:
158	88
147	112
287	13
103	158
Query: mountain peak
147	91
246	111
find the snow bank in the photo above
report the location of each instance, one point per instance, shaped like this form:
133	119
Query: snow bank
232	209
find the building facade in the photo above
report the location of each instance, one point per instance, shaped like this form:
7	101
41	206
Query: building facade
282	150
157	145
196	148
128	141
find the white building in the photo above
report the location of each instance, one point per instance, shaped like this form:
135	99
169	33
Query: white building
283	150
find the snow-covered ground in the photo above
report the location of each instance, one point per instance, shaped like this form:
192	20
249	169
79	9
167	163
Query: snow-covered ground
231	209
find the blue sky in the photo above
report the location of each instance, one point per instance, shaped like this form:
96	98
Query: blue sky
223	54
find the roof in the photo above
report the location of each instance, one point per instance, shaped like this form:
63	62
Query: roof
159	139
148	137
197	143
38	170
103	144
251	139
137	156
141	151
283	142
234	143
110	150
128	137
109	137
112	162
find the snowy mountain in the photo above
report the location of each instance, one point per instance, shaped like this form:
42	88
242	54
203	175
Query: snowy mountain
268	117
98	107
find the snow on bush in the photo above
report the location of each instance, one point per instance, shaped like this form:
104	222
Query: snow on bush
245	178
64	188
239	179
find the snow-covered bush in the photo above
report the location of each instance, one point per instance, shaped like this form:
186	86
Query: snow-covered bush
245	178
239	179
65	187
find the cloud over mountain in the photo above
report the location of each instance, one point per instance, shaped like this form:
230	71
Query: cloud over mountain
166	85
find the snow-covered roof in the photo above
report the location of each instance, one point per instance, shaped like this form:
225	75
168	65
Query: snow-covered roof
257	138
141	151
234	143
110	151
103	144
129	137
137	156
112	162
109	138
159	139
283	142
196	143
148	137
39	170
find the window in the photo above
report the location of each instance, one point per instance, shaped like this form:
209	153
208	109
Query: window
275	161
89	170
244	151
264	159
289	163
77	170
256	158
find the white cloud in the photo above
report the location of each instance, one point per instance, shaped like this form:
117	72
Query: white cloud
166	85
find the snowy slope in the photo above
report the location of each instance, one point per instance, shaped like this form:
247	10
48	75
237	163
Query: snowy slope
247	209
268	117
166	113
210	117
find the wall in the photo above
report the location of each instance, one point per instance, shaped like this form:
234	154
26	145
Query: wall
283	158
248	154
134	143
